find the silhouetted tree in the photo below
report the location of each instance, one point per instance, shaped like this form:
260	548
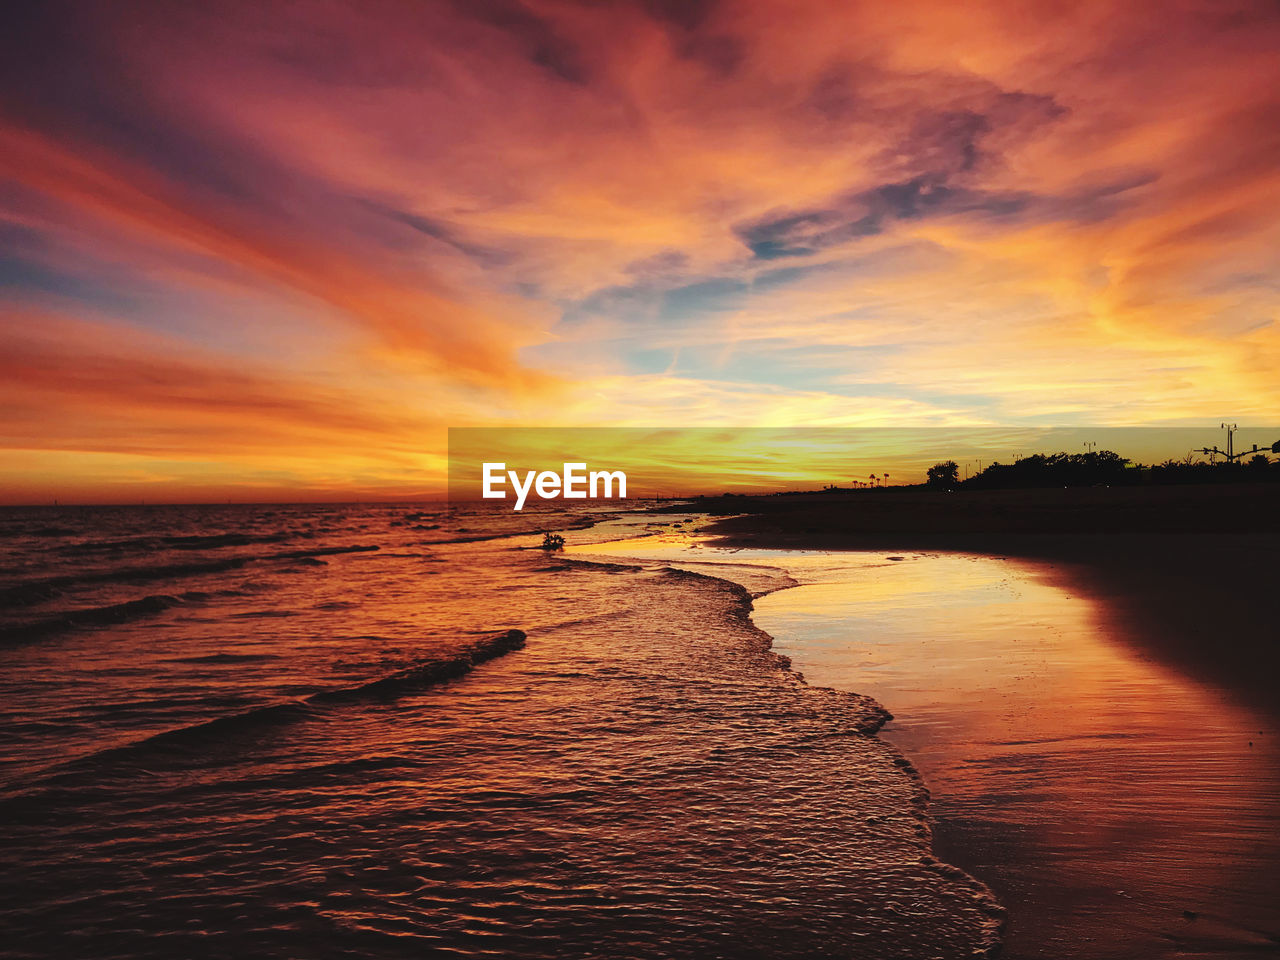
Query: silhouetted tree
943	475
1055	470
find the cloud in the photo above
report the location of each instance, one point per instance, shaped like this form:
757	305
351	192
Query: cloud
76	384
379	218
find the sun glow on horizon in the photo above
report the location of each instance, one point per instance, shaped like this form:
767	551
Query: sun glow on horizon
274	253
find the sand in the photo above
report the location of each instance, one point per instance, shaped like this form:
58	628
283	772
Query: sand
1189	574
1088	694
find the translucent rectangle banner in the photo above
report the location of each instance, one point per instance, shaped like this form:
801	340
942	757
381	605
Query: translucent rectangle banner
525	466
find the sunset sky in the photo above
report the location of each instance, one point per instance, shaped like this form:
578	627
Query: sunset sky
265	251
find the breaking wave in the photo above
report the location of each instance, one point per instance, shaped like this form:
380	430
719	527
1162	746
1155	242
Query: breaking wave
87	617
194	738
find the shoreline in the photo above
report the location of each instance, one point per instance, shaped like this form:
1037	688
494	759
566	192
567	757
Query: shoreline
1181	600
867	722
872	727
1178	589
643	775
987	835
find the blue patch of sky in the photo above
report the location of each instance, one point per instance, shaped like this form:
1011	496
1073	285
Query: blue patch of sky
135	299
36	282
779	363
649	302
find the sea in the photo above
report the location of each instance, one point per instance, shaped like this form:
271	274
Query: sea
407	730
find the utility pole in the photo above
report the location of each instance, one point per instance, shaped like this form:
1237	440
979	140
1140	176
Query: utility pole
1230	452
1090	446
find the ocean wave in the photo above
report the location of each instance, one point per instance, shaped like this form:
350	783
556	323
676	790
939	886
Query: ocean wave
87	617
198	735
37	591
428	672
868	716
602	566
34	591
226	658
478	538
200	596
184	542
45	532
197	739
531	527
29	594
323	552
865	714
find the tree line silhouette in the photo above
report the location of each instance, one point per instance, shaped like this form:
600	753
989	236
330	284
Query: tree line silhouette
1098	468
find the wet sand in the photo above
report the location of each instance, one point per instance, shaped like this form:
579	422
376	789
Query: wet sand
1117	804
1186	574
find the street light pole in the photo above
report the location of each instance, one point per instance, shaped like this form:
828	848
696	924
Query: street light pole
1231	430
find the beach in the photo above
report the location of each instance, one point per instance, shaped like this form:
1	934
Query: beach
386	731
1101	751
639	480
1187	573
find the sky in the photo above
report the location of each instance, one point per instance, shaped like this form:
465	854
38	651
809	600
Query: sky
273	251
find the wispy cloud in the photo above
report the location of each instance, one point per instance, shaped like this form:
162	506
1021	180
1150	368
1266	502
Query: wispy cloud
339	227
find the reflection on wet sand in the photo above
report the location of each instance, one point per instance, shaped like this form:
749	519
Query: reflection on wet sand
1117	807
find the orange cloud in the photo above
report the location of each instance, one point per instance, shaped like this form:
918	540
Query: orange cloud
338	228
